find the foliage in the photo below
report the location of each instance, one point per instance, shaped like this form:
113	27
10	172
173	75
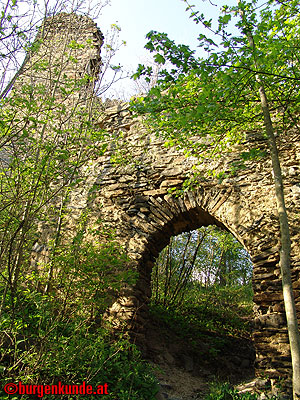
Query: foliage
57	278
198	259
41	159
206	105
57	337
247	83
74	354
19	24
224	391
214	309
188	296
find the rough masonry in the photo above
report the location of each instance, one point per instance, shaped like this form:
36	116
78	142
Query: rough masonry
129	190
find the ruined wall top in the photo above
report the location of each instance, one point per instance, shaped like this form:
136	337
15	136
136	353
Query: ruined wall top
58	23
67	47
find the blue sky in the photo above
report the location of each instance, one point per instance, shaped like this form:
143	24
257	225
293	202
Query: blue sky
137	17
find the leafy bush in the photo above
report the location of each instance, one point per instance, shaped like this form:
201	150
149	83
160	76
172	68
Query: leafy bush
213	309
224	391
87	357
70	350
58	336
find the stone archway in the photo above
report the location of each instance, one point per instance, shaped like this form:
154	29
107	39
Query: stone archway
135	198
270	320
186	363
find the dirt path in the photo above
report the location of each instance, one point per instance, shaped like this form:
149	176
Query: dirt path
185	367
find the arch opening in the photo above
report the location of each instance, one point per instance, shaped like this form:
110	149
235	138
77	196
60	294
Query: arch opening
168	216
200	307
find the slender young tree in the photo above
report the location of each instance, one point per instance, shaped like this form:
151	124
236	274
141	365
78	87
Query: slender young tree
244	82
45	129
285	262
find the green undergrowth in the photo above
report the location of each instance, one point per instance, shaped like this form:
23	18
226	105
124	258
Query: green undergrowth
73	351
222	311
60	335
225	391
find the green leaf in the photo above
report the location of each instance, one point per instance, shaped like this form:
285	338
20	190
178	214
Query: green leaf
159	59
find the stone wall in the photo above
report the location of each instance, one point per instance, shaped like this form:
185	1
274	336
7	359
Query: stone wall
133	196
50	106
129	189
66	49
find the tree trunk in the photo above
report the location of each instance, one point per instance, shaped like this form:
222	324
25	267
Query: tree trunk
288	296
285	267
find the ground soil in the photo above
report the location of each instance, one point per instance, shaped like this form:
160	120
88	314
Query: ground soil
185	367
